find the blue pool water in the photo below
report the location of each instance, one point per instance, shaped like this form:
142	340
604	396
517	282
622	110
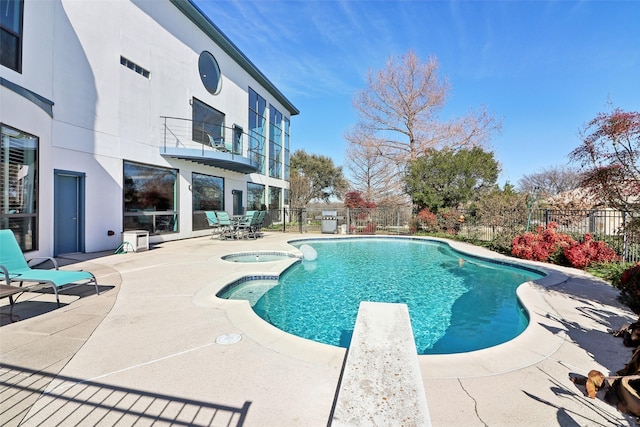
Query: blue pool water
457	303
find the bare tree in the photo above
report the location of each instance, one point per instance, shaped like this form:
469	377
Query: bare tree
374	175
550	181
399	113
300	189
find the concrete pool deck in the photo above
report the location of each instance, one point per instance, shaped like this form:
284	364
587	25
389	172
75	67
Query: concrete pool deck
157	347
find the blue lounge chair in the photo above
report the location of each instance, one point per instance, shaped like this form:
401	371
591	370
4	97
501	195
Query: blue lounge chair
15	268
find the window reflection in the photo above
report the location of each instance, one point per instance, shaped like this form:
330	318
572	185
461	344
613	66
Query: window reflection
150	198
207	195
275	204
275	142
255	197
11	34
208	124
257	137
18	185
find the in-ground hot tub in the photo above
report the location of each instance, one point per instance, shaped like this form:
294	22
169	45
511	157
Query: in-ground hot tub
259	256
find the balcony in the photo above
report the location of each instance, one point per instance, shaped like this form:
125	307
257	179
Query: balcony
209	144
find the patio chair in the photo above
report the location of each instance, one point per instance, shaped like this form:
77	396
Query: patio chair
249	214
246	225
257	228
227	228
15	268
213	222
219	144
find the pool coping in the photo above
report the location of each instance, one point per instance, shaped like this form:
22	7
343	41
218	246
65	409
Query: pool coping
533	345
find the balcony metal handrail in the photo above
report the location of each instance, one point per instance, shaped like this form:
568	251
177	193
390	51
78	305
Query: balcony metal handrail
184	134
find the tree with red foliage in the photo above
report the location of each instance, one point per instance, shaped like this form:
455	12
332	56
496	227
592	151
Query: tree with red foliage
354	200
610	159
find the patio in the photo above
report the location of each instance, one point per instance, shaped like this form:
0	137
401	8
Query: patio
153	347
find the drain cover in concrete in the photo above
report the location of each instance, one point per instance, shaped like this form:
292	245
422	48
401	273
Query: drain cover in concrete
227	339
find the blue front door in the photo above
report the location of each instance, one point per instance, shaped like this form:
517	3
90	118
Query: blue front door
68	212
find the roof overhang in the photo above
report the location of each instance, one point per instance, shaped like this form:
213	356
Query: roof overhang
218	159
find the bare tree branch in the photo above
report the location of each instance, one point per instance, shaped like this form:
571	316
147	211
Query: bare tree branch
399	118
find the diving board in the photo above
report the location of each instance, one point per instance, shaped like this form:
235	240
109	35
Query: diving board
381	381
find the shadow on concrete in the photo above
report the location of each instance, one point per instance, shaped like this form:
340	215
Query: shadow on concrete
591	413
70	259
597	302
79	402
35	303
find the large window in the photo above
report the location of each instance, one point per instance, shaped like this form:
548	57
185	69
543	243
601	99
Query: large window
255	197
275	142
19	186
287	153
11	34
207	195
275	203
150	198
257	108
208	124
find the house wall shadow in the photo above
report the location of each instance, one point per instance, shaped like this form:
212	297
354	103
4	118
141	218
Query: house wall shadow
78	399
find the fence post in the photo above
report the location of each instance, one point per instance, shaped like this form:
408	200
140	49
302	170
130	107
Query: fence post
348	221
625	242
546	218
284	219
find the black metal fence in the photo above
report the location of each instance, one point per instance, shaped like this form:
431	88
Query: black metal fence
606	225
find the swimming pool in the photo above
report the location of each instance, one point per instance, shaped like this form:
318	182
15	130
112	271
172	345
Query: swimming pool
457	303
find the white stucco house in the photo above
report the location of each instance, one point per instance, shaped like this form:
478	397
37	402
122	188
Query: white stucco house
130	115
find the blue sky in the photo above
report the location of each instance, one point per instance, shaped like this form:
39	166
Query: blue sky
544	67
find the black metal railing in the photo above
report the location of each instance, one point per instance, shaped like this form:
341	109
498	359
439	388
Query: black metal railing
606	225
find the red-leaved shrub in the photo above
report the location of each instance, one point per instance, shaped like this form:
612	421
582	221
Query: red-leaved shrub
581	254
427	220
629	286
448	220
542	245
370	228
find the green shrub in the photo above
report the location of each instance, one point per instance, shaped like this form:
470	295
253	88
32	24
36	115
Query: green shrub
609	271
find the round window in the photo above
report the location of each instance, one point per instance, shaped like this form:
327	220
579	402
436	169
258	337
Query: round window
209	72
